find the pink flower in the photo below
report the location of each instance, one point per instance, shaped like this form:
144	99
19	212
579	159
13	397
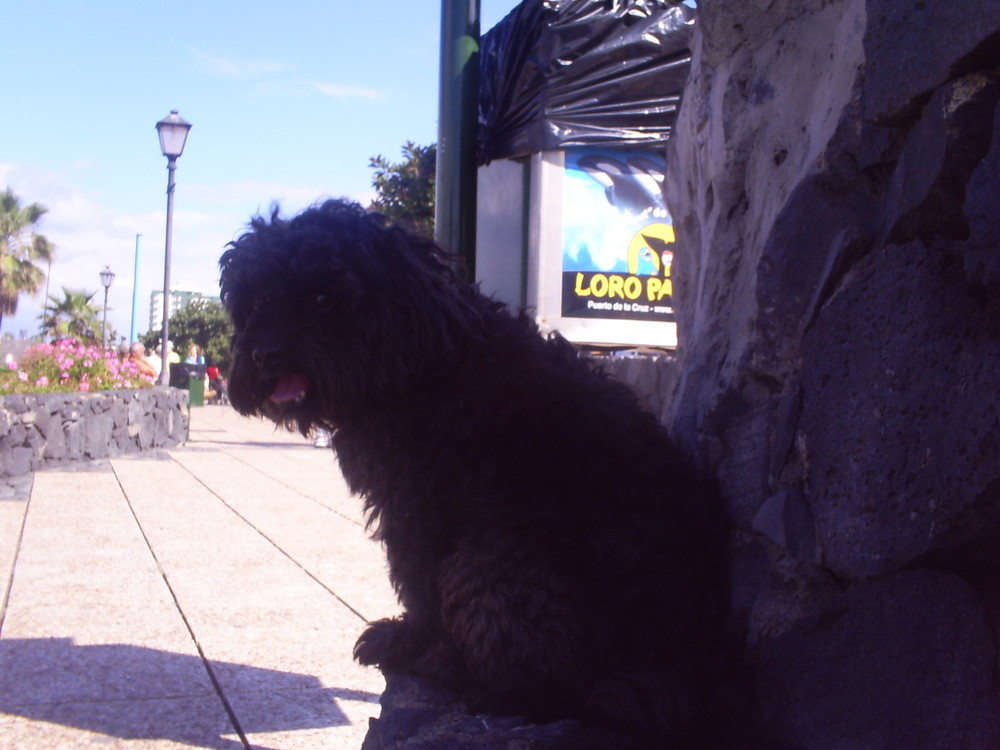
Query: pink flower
42	381
22	376
84	385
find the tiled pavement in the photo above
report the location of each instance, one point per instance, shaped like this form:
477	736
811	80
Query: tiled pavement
208	596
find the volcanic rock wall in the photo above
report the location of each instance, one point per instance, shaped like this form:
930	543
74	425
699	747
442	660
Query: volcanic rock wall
835	184
41	431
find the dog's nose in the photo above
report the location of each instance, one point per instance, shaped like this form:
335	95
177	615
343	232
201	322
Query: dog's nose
265	355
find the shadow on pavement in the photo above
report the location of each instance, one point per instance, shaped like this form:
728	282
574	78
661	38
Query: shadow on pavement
134	692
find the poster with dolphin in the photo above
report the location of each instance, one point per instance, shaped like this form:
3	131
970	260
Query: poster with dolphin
618	237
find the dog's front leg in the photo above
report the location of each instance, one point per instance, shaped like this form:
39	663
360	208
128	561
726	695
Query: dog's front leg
404	645
393	644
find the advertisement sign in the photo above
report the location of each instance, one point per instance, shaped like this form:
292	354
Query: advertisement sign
617	236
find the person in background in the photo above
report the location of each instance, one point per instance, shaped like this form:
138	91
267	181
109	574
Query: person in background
324	438
154	359
137	356
194	357
124	351
216	385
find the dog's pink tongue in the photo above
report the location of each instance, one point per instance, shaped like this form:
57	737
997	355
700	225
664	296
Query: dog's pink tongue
290	388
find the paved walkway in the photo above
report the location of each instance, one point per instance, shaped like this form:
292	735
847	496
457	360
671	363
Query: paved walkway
207	596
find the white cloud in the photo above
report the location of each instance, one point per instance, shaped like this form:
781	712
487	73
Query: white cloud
301	87
270	83
85	163
89	234
342	91
222	66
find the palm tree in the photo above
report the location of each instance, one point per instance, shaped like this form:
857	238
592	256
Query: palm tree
73	316
21	251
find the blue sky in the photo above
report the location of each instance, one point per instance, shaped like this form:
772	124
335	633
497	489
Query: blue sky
287	101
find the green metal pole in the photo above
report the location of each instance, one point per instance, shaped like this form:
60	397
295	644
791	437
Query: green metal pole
455	191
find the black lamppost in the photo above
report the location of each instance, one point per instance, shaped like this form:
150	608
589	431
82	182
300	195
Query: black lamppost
173	130
107	276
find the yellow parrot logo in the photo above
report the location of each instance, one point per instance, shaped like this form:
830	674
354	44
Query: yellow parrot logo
649	252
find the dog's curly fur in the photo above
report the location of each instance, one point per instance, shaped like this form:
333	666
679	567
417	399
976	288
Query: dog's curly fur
554	553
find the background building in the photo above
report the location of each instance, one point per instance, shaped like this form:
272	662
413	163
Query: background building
179	299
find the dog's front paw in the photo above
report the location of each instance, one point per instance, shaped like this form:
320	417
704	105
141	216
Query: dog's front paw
392	644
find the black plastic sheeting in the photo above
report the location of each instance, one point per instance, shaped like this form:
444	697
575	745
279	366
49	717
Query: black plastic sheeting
557	74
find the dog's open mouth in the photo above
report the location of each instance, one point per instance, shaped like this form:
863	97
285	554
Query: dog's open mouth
290	389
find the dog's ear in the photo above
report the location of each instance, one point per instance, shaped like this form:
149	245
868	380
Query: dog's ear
432	306
230	282
254	263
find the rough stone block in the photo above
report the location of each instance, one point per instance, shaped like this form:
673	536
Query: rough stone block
787	520
136	410
903	663
16	434
927	194
55	444
912	47
34	439
146	432
419	716
76	437
15	403
99	429
901	444
17	461
43	418
982	255
789	594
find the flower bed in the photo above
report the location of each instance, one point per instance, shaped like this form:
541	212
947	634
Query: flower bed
67	367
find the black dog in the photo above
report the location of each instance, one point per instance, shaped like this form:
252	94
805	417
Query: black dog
554	554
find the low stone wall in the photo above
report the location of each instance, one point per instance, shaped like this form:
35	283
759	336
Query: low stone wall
55	429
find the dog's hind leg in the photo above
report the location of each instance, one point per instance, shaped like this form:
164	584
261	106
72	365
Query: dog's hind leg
516	623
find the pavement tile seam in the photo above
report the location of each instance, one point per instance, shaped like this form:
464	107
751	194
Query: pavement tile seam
278	604
318	501
8	574
70	666
206	663
274	543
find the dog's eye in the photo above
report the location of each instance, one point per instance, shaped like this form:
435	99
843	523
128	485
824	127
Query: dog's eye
323	301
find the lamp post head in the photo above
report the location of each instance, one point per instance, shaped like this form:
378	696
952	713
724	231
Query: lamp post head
107	276
173	130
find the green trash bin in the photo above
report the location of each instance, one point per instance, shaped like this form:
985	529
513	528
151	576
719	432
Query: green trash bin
192	379
196	390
